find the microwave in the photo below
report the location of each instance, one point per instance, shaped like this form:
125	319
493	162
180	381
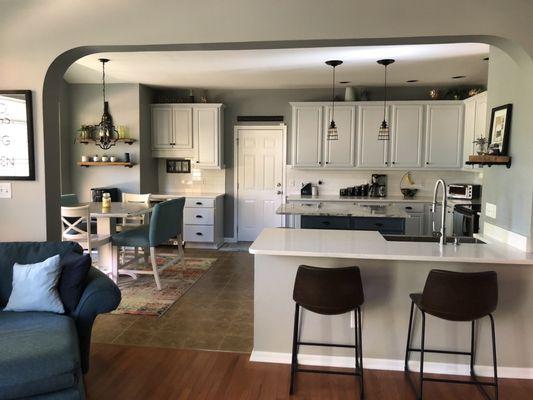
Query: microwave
464	191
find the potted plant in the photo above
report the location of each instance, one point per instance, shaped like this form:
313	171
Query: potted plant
481	145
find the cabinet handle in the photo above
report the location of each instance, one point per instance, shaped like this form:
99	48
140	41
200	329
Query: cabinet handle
199	234
409	208
199	216
197	162
325	222
378	224
199	203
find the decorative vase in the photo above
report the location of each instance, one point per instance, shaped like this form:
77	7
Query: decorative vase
349	94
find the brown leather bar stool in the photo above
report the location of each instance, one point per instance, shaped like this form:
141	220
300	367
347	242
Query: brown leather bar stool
456	296
328	291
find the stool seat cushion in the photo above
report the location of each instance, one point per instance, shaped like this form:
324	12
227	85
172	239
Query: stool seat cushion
136	237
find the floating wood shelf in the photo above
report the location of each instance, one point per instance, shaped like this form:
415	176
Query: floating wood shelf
489	160
105	164
122	140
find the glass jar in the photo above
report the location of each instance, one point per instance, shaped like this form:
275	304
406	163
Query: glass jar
106	201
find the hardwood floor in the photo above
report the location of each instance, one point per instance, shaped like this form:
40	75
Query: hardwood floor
128	372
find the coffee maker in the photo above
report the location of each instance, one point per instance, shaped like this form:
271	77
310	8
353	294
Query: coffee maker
378	185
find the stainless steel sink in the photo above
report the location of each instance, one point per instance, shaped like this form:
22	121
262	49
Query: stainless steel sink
433	239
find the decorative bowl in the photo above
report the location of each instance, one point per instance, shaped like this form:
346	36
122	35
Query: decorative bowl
409	192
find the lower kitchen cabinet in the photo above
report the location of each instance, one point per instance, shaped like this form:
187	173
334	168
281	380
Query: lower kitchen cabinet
318	222
203	222
382	225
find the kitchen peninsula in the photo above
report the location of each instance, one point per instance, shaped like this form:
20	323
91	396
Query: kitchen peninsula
390	271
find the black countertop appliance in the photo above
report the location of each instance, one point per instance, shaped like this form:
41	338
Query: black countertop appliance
97	193
307	189
378	185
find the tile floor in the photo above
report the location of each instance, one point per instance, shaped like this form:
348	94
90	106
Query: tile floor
215	314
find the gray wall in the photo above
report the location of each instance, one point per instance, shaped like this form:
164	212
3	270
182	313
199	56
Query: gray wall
511	189
149	181
65	138
86	108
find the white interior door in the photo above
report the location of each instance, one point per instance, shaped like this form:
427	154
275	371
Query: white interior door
259	179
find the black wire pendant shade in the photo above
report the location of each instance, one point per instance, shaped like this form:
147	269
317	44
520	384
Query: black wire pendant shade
384	132
333	133
105	132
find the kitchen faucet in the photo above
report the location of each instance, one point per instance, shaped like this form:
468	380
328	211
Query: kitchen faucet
442	233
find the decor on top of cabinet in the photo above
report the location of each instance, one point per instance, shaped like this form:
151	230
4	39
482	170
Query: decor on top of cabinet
333	133
434	94
500	129
384	133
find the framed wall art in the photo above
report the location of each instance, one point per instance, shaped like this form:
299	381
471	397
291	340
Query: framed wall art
16	136
500	129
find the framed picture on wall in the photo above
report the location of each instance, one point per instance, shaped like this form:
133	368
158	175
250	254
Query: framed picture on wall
16	136
500	129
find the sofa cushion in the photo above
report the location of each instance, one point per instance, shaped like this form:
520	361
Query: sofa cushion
35	287
73	279
27	253
39	353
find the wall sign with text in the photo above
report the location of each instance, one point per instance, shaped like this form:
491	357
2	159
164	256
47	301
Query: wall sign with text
16	136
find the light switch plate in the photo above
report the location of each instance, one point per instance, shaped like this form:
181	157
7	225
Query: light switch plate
490	210
5	190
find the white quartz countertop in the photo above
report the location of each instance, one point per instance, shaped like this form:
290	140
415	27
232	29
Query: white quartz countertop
173	195
352	199
371	245
330	209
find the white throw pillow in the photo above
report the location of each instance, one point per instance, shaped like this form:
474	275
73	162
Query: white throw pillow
35	287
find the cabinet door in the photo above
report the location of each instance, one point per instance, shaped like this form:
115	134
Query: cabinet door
469	130
480	125
414	225
162	137
340	153
371	151
307	136
444	136
182	127
206	128
406	144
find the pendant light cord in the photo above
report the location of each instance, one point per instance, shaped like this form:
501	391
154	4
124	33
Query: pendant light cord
103	80
385	99
333	97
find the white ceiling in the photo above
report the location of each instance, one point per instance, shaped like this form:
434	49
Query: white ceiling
288	68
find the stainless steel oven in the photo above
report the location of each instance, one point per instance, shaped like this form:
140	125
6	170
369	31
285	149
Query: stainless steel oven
466	219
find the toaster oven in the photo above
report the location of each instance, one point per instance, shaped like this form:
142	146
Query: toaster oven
464	191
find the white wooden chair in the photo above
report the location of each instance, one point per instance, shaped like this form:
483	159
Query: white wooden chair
133	222
76	227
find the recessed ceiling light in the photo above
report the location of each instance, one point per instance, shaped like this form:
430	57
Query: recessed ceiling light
486	59
412	80
459	77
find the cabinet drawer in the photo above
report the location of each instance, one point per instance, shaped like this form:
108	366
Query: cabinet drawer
317	222
198	216
198	233
411	207
199	202
382	225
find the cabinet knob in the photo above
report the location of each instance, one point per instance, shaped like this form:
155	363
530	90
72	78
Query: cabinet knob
394	162
197	162
327	162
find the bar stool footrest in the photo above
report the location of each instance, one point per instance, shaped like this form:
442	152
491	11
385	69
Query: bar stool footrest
319	371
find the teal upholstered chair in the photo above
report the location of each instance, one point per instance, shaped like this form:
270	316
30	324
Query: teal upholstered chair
166	223
69	200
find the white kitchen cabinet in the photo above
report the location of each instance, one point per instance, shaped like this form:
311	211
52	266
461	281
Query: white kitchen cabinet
203	222
340	153
192	131
307	129
371	151
207	126
444	136
475	124
162	133
406	135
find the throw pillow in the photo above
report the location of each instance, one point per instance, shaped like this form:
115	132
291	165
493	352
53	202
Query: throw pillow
35	287
73	279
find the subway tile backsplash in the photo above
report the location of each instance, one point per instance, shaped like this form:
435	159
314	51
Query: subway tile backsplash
332	181
207	180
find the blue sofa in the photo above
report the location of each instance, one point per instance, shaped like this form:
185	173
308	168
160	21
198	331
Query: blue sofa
44	355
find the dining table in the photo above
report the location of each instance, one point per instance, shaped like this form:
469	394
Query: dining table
106	226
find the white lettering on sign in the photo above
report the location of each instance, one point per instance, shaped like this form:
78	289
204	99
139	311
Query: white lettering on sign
14	155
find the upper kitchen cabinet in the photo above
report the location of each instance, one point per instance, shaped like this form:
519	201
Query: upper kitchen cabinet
475	124
371	151
340	153
406	135
208	123
307	129
444	135
192	131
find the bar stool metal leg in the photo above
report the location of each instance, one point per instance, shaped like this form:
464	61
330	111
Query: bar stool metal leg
359	352
494	362
408	346
294	359
472	348
422	347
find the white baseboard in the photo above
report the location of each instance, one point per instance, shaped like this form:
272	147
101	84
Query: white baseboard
230	240
390	365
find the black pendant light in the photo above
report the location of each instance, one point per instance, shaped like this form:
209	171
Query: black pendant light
384	133
107	135
332	130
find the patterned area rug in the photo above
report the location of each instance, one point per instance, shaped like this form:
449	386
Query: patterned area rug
141	297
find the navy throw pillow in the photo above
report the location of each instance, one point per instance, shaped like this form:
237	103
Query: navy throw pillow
72	281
